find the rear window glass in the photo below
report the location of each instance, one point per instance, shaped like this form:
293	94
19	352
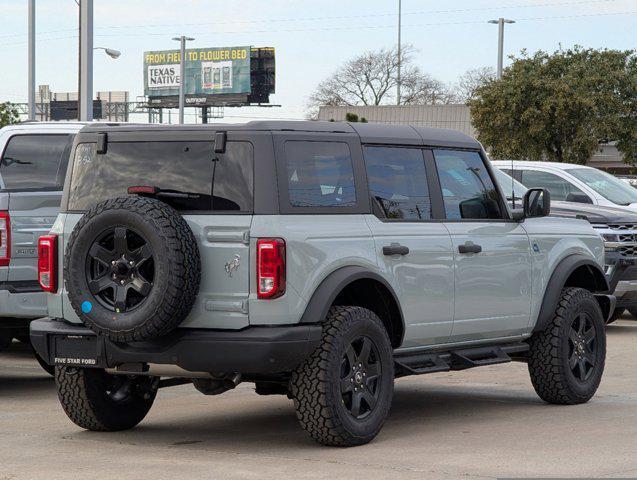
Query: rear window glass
35	161
320	174
184	170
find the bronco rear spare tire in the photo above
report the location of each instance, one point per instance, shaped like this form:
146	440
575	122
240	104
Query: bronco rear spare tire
132	268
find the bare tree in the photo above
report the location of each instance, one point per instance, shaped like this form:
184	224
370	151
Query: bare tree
421	89
371	78
470	80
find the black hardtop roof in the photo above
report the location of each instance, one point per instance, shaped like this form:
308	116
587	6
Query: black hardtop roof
380	133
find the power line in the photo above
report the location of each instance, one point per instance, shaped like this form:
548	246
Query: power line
348	27
370	15
365	27
340	17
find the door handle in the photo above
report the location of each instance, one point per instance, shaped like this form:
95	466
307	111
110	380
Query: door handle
469	247
395	249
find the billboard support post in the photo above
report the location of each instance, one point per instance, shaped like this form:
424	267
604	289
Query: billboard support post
182	69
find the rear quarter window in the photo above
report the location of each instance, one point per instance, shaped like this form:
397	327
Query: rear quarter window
183	168
319	174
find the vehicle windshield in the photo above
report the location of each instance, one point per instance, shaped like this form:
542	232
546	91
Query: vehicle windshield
509	185
609	187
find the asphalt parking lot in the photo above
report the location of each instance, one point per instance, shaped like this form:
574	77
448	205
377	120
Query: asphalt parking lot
485	422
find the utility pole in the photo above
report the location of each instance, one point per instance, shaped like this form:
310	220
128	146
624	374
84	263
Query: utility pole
182	75
86	60
398	79
31	55
500	22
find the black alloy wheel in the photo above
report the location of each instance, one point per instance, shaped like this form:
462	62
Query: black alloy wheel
120	269
582	347
360	377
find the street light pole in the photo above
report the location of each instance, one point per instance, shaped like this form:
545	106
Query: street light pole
86	60
500	22
182	76
398	79
31	55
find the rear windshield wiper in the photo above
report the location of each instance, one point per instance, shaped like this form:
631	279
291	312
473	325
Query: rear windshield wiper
150	191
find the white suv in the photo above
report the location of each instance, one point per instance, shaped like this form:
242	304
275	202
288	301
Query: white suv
572	183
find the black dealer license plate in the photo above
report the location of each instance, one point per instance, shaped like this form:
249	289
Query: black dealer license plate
75	350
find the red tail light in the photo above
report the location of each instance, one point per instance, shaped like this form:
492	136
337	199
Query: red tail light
270	267
5	239
47	262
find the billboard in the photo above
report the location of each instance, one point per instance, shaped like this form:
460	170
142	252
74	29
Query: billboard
208	71
218	76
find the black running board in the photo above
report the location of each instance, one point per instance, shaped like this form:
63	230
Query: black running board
420	363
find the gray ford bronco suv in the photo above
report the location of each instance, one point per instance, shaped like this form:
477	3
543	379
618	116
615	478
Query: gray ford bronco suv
316	260
33	161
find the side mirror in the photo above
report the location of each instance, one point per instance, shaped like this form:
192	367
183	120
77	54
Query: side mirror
536	203
578	197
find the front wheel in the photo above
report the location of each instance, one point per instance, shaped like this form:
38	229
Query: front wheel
97	401
343	391
566	360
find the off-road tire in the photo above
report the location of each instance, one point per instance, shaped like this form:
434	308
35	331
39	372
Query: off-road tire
177	268
83	395
617	313
633	312
548	365
315	384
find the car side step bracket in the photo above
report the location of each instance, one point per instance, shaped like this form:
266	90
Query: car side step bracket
420	363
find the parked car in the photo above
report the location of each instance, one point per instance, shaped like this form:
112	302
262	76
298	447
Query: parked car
572	183
32	169
318	260
618	229
629	179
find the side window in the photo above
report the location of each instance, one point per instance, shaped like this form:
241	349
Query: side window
467	189
320	174
556	185
398	182
35	161
185	170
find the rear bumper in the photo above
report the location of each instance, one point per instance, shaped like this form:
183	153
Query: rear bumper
253	350
22	304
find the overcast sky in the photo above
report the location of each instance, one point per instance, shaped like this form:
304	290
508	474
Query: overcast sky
311	37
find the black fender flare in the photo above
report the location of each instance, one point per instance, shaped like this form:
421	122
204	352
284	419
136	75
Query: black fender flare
327	291
558	279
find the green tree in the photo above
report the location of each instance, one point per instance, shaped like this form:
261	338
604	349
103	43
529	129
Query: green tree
8	114
560	107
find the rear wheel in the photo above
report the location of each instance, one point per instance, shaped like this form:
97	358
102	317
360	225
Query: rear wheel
566	360
97	401
343	391
633	312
